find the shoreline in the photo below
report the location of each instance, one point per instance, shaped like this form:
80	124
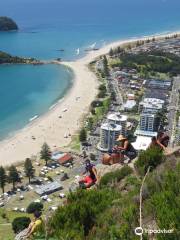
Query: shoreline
75	104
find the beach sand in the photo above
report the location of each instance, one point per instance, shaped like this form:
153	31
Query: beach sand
50	127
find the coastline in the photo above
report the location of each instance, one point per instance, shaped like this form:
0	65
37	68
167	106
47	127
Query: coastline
49	127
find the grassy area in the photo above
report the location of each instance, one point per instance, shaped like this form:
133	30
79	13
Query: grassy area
6	232
114	62
75	143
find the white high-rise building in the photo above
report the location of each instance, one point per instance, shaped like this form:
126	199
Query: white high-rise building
117	118
108	134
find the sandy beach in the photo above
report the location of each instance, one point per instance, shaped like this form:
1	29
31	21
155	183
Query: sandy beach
64	118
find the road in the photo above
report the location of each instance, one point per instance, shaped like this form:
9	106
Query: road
173	107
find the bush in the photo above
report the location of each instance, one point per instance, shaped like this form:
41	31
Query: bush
117	175
77	218
20	224
34	207
152	157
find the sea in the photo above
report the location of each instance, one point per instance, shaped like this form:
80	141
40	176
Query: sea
50	29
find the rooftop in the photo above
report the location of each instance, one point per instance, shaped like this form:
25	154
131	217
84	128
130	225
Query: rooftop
117	117
48	188
142	143
111	127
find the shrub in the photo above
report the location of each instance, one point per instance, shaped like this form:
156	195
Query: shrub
20	223
34	207
77	218
152	157
117	175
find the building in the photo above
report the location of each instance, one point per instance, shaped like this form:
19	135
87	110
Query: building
159	84
141	143
151	105
117	118
129	105
149	122
108	134
62	158
48	188
67	158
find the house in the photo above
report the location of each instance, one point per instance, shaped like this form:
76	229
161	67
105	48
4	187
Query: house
66	158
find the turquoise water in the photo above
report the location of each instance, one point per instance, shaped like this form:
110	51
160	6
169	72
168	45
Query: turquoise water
29	91
45	26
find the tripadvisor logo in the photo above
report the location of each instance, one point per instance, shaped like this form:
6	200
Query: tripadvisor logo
139	231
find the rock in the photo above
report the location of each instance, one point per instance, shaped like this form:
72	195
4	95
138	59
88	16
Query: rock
103	169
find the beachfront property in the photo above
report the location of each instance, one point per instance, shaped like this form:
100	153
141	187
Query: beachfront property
109	132
117	118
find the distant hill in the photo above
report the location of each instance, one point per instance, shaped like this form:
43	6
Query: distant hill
7	24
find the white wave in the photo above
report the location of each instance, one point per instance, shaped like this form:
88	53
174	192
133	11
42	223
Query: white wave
33	118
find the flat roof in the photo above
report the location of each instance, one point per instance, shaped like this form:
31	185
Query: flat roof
117	117
142	143
111	127
48	188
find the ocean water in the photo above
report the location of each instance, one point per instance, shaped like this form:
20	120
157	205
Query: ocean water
46	26
27	91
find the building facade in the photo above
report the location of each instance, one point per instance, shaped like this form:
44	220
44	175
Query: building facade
149	122
108	134
117	118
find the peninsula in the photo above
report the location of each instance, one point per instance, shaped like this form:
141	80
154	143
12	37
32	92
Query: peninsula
7	24
6	58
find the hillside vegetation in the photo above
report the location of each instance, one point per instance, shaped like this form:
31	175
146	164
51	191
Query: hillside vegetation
112	210
7	58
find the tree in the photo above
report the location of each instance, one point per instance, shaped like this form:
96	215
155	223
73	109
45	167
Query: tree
45	153
105	66
20	223
34	206
111	53
13	175
28	168
3	178
83	135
